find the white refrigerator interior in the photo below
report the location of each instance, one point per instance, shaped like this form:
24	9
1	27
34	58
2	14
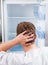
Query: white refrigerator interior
15	13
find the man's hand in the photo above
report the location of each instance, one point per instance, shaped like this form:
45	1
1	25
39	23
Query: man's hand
23	37
20	39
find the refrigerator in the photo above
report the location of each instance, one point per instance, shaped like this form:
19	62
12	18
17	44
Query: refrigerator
17	11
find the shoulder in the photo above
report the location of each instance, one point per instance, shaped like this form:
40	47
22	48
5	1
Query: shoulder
45	55
44	50
11	54
10	57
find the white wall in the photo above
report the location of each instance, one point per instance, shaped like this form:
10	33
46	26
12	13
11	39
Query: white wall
0	18
0	8
46	25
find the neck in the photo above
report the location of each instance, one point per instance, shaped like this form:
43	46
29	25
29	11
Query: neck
29	47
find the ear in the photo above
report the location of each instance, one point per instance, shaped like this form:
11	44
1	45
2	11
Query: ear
35	36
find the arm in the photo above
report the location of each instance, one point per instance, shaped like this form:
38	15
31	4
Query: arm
19	39
7	45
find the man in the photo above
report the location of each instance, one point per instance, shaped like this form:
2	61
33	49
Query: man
30	28
32	55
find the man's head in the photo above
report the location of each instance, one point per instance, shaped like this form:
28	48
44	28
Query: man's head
26	26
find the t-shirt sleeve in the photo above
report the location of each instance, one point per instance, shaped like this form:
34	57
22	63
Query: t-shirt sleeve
3	58
7	58
10	58
45	56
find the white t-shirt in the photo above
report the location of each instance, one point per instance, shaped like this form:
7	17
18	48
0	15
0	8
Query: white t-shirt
35	56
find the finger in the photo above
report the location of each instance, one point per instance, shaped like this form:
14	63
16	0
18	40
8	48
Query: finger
31	36
28	44
31	39
29	33
24	32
